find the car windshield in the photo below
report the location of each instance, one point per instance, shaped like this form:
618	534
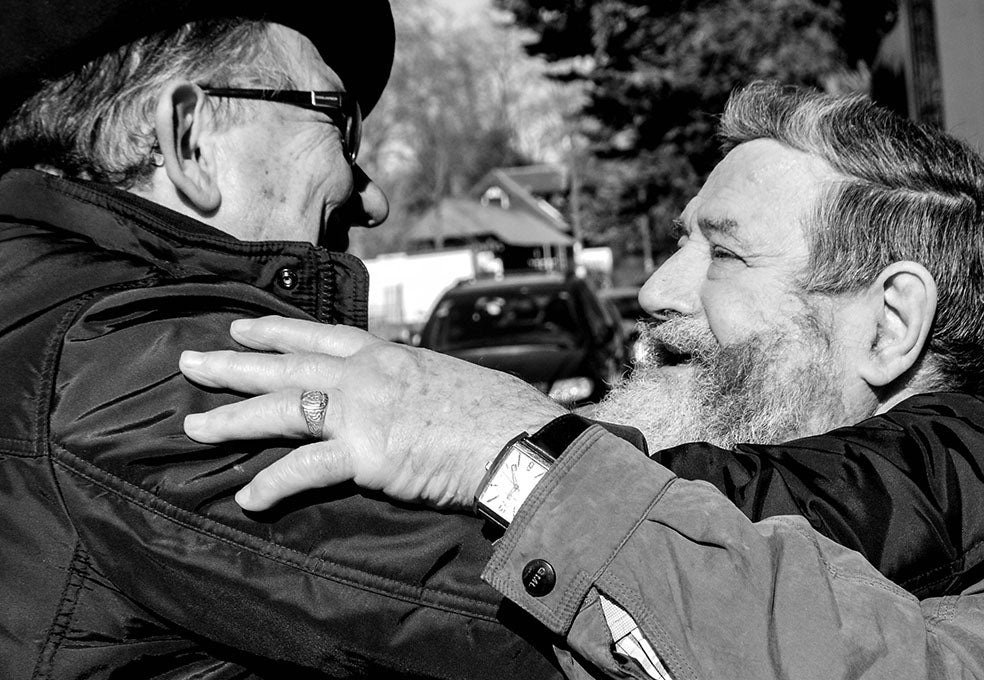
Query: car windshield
517	317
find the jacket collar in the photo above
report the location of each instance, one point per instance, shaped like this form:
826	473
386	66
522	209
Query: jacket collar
332	287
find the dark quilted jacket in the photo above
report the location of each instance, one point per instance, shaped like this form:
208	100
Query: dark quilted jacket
122	551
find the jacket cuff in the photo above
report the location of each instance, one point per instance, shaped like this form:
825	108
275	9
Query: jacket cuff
633	435
573	524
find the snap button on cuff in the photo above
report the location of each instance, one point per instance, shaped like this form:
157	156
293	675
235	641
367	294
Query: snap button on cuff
539	578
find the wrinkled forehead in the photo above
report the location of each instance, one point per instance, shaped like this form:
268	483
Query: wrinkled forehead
762	190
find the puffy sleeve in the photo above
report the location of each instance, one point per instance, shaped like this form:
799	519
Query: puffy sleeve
337	580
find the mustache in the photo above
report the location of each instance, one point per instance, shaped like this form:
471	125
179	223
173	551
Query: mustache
677	340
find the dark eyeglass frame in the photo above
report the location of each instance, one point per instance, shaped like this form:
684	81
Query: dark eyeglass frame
341	107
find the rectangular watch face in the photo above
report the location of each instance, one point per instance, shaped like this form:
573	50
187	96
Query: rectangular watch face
512	480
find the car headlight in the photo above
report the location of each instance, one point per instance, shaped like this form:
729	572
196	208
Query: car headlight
568	390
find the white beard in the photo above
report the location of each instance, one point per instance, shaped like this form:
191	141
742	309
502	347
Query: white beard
772	387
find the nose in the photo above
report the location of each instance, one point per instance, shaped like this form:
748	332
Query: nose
366	207
674	288
373	202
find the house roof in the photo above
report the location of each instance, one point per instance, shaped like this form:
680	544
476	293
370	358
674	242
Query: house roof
467	219
539	180
520	196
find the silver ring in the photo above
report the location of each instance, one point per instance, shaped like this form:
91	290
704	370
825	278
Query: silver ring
314	403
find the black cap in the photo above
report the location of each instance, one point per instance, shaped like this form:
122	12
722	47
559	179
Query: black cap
48	38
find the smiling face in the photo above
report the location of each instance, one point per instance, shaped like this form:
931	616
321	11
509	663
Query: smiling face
742	242
744	355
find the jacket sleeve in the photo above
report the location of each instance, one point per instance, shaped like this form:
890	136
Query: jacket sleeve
339	580
714	594
914	472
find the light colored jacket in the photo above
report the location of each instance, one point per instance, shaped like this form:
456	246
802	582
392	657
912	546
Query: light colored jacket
714	594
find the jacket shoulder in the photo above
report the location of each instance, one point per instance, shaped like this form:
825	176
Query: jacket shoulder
333	574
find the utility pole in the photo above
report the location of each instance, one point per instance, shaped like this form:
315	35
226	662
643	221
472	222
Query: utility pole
922	64
942	43
575	199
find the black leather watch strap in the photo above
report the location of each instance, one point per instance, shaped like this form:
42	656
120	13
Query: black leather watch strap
554	437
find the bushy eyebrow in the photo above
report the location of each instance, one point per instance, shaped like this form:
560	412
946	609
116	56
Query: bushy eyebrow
707	225
679	229
726	226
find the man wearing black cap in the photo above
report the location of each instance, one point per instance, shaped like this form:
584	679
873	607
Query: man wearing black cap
168	167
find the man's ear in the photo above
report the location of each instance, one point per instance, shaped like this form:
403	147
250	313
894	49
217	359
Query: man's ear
904	300
179	123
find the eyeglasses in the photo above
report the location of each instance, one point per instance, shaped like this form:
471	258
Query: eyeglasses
341	107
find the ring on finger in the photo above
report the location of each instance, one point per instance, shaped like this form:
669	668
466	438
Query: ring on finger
314	404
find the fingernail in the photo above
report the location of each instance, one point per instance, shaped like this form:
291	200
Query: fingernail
242	496
196	428
242	325
191	359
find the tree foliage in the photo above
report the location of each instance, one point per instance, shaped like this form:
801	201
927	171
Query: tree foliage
659	73
462	99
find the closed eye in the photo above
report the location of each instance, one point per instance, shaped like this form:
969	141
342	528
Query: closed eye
721	253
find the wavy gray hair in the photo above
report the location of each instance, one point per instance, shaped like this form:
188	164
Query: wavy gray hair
98	121
910	192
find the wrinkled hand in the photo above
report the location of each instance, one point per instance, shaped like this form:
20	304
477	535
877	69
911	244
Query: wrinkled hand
415	424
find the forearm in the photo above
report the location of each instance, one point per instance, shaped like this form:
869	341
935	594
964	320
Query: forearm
714	594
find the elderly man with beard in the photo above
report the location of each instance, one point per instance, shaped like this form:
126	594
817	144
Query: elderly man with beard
828	276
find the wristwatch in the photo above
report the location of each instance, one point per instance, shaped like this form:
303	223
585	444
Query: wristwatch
511	476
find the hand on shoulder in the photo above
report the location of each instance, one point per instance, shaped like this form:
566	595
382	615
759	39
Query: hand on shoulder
415	424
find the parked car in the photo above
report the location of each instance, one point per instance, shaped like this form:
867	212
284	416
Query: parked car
625	299
550	330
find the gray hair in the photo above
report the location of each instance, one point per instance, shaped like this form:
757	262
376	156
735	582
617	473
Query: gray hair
910	192
98	121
